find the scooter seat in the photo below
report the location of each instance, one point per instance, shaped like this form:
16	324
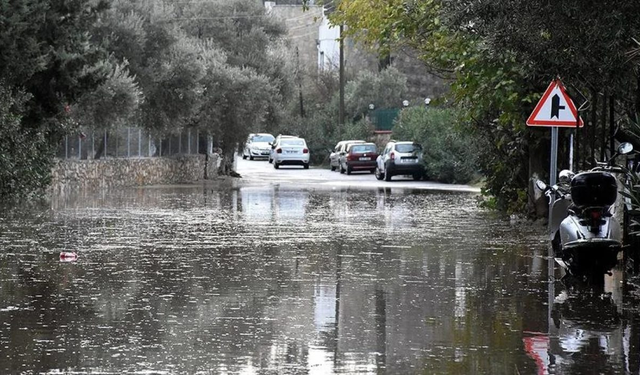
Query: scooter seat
593	243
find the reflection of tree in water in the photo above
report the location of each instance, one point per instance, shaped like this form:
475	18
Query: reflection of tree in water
48	318
487	337
191	283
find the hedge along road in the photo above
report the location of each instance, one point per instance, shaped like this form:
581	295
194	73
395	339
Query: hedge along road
261	171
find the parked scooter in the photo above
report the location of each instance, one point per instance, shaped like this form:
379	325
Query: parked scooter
584	232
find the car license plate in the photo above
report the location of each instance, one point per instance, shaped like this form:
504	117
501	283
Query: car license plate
291	152
365	159
408	160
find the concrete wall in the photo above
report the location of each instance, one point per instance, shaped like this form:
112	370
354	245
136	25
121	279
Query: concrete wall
111	173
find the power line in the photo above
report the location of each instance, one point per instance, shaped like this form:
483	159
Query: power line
214	18
301	35
235	16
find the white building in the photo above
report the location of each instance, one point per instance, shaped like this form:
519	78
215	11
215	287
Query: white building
328	45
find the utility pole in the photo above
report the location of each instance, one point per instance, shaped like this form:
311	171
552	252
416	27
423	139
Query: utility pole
341	111
299	79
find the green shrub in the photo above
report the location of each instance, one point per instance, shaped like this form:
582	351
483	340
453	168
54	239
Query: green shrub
322	133
450	153
25	155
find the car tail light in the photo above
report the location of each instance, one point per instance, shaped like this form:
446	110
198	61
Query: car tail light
392	156
305	151
350	157
279	150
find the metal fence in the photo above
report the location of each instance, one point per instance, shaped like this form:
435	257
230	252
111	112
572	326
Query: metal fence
383	119
129	142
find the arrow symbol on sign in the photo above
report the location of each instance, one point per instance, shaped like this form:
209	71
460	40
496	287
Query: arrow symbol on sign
555	106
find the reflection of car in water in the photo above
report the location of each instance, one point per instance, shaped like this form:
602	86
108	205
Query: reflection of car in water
257	203
267	204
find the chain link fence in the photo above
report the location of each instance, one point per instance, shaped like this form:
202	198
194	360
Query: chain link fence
129	142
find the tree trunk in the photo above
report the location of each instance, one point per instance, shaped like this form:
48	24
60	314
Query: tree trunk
102	148
207	160
226	165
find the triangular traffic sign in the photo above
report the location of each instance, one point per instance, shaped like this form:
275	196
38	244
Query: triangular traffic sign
555	108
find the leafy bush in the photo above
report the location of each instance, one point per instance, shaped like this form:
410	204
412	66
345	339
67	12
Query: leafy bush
319	126
25	155
450	154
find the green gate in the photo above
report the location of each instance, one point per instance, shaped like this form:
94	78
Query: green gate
383	119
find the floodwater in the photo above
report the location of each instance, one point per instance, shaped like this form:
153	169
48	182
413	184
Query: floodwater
277	280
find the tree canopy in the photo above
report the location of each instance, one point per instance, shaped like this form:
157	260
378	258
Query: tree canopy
500	55
218	67
47	61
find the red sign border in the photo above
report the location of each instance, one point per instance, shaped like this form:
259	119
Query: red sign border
531	121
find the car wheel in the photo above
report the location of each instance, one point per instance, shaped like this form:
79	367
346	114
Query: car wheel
341	168
270	160
276	165
379	174
244	157
387	175
250	157
348	169
306	166
333	168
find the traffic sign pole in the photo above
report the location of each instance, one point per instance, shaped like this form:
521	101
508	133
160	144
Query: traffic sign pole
554	156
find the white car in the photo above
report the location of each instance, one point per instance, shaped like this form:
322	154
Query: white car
273	144
257	146
290	151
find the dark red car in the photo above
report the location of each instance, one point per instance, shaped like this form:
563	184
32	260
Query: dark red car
359	157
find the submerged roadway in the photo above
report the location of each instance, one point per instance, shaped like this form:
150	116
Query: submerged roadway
261	171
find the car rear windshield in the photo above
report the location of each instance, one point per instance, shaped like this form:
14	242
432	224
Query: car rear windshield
363	148
406	148
292	142
262	138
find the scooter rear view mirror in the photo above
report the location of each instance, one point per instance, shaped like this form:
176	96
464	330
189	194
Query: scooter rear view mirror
625	148
541	185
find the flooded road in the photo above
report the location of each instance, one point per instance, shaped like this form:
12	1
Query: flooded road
283	279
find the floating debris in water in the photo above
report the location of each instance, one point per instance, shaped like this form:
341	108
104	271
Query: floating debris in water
68	256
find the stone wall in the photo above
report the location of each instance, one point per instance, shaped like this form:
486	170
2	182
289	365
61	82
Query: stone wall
70	174
303	31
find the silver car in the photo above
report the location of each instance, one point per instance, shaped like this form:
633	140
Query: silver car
257	146
290	151
338	151
400	158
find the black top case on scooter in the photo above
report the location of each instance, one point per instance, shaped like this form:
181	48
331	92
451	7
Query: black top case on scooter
594	189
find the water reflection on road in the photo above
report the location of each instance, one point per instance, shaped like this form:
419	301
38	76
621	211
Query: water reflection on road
274	280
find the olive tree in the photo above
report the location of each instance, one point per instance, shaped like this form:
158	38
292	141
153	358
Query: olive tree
47	62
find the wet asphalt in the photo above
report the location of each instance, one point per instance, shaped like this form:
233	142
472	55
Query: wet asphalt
296	271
